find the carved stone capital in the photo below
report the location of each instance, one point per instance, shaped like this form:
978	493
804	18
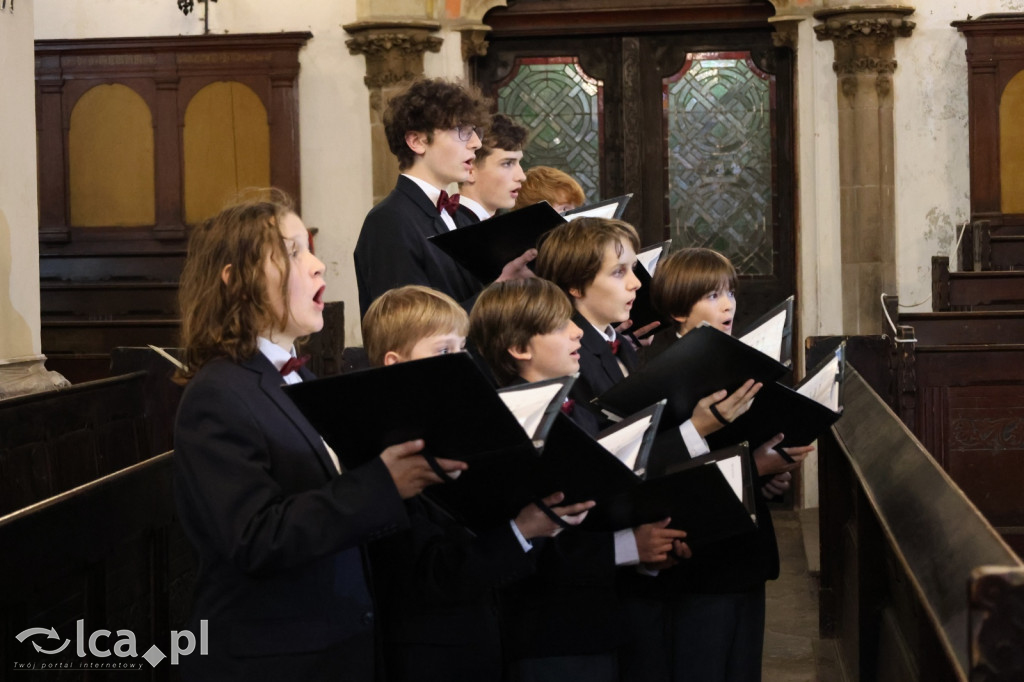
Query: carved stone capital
787	30
393	50
474	43
860	23
864	40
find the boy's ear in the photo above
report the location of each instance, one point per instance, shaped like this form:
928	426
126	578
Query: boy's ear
521	354
391	358
225	274
575	293
417	142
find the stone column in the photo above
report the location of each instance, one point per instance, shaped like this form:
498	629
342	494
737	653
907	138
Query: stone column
394	56
864	40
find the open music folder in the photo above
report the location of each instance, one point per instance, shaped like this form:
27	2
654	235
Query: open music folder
643	313
703	361
537	404
801	413
444	400
486	247
711	497
772	333
608	208
586	468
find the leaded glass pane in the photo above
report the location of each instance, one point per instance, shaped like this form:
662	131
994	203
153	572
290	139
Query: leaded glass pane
560	106
718	117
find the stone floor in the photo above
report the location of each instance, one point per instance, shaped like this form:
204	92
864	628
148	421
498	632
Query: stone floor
792	649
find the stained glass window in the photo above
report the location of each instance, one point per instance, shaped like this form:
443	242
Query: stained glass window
560	106
718	127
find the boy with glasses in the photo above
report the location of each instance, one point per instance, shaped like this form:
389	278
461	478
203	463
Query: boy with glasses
433	127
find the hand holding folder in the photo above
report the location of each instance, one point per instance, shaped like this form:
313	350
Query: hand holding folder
802	413
699	364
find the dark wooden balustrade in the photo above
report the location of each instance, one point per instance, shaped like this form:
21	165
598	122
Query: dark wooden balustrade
899	544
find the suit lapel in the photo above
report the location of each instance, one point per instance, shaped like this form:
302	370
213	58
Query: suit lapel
595	345
270	383
419	198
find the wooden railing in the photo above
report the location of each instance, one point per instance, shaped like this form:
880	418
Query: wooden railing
899	544
108	553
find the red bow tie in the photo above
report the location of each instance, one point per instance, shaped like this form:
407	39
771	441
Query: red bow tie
568	406
293	365
614	345
448	203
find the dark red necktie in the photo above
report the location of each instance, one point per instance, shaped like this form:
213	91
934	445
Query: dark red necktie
448	203
568	405
614	345
293	365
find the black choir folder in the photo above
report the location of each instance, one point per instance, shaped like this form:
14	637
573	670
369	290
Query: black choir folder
444	400
609	208
711	497
486	247
643	313
772	333
703	361
802	413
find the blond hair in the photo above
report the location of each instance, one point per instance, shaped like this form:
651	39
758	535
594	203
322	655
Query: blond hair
401	317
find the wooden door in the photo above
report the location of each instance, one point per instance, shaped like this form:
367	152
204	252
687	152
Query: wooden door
697	125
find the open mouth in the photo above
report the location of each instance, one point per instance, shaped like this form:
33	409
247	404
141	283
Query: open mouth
318	297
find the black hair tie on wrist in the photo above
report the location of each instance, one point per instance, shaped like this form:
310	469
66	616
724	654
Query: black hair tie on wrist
718	415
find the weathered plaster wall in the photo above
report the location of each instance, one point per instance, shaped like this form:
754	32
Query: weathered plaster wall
932	167
19	222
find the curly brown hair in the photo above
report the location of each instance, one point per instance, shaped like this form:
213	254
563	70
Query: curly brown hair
224	318
502	133
427	105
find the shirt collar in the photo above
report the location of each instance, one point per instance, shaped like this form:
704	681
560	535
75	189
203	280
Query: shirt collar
273	352
474	206
608	332
433	193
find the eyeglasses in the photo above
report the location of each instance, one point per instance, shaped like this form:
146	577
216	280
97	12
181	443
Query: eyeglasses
465	132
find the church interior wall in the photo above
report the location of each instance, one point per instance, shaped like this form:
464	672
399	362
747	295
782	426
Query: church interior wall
19	221
930	117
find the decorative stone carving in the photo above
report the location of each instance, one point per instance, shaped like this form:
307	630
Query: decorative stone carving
23	376
393	50
863	40
474	43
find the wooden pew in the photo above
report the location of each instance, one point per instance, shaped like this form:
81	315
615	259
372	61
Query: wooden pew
966	327
109	553
984	247
56	440
93	301
899	543
983	290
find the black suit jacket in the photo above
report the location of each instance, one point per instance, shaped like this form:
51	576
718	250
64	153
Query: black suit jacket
436	587
738	564
393	250
281	581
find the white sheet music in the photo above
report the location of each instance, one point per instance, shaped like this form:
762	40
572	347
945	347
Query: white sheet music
732	469
649	258
823	387
606	211
625	442
528	404
767	338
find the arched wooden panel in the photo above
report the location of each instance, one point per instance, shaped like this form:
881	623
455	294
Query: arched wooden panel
1011	145
226	145
110	159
